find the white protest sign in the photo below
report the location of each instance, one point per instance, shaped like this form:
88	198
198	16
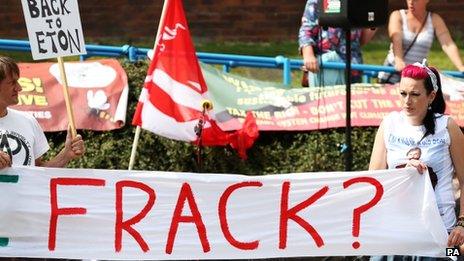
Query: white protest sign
54	28
142	215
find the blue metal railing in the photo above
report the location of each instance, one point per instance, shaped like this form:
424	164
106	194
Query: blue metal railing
227	60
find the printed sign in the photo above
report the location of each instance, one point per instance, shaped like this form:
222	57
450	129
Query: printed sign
141	215
332	6
99	90
278	107
54	28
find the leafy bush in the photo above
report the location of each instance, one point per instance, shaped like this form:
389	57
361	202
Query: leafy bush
273	152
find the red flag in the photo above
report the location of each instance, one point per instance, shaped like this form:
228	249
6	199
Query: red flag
170	103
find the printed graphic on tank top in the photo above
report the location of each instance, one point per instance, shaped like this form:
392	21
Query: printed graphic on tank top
404	141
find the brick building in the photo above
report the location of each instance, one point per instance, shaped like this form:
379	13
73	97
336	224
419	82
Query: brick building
238	20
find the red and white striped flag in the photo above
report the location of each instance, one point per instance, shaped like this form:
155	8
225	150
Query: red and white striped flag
170	103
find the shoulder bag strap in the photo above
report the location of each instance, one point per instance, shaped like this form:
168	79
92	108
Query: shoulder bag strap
412	43
417	34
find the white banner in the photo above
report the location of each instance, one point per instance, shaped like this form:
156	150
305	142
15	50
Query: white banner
54	28
117	214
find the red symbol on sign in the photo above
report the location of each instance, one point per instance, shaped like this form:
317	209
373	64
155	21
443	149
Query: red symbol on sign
363	208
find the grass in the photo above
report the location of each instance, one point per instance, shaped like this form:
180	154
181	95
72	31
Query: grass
289	49
373	53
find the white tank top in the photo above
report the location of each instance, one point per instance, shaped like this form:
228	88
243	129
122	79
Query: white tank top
400	137
420	49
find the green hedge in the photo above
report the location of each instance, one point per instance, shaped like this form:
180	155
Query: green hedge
273	152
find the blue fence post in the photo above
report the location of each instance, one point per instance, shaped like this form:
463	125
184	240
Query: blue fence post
125	50
227	66
132	54
287	70
365	78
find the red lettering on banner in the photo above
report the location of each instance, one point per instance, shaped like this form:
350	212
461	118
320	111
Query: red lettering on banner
127	224
363	208
186	194
286	214
55	211
222	211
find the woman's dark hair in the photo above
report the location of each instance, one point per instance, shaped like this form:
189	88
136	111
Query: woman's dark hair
438	105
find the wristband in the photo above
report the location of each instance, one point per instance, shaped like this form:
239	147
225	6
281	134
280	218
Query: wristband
460	223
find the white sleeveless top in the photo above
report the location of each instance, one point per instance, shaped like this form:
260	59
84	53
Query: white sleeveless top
400	136
420	49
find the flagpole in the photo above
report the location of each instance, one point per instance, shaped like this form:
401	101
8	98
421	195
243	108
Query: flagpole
206	106
134	147
67	99
138	129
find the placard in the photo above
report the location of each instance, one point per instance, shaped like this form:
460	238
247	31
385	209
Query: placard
54	28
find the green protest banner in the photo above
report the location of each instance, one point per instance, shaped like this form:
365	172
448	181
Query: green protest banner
277	107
